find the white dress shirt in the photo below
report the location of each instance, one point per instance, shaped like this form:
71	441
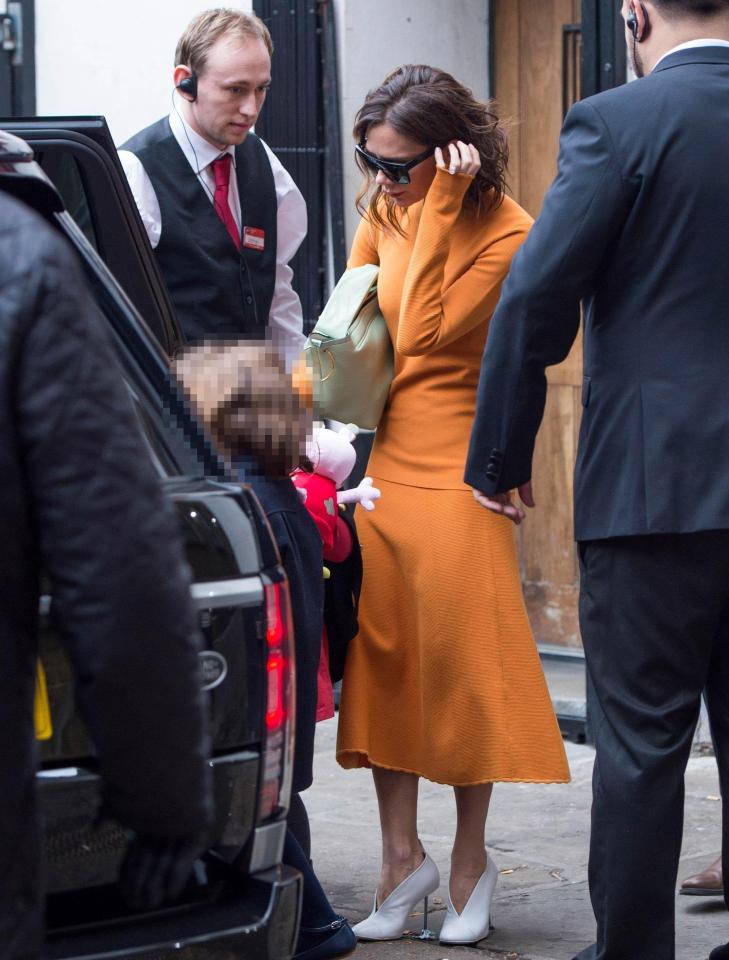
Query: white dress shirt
285	318
690	44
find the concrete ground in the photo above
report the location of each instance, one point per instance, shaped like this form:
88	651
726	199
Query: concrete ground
538	836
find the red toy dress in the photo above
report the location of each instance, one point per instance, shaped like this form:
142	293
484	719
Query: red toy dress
321	502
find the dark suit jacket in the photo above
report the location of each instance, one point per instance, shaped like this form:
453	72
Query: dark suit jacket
636	225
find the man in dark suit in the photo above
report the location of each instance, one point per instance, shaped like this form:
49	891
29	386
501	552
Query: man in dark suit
636	226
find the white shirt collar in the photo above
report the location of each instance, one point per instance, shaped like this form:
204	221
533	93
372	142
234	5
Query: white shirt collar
198	151
691	44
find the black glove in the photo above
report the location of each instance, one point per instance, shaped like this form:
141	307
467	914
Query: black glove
156	869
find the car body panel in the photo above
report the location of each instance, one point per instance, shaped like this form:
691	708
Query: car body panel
255	917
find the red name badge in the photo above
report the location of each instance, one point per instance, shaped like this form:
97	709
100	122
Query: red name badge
254	238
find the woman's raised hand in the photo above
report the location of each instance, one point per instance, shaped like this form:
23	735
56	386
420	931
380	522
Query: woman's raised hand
463	158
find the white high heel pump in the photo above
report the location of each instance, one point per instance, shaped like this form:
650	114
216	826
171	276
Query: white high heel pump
391	919
474	923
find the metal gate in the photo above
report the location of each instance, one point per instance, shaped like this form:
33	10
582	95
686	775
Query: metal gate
603	46
300	122
17	58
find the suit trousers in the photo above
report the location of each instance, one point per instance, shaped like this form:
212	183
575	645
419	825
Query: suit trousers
654	616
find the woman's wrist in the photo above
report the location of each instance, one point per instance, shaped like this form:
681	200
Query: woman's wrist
462	180
447	191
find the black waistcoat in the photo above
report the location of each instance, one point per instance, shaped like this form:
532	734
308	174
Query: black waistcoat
217	291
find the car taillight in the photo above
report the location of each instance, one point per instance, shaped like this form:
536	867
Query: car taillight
278	746
276	672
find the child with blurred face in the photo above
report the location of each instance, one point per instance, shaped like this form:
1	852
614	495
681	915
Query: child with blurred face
261	422
248	402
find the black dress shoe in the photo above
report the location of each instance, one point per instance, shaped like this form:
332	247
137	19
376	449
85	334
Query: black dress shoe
325	943
720	953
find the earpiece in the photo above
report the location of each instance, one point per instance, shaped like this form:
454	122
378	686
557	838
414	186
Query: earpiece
188	85
632	24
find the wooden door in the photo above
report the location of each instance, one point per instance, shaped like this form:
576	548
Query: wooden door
536	76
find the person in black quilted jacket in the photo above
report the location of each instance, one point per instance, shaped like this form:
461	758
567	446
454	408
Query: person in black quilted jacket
79	502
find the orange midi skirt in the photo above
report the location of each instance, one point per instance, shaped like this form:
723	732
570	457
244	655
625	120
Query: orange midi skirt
444	679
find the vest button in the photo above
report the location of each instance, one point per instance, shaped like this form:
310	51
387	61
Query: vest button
242	268
249	299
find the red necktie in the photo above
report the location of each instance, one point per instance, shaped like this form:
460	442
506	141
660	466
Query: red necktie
221	172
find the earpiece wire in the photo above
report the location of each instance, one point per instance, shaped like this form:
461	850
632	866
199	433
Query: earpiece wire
198	169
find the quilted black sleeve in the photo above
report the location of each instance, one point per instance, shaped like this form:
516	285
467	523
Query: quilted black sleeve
110	545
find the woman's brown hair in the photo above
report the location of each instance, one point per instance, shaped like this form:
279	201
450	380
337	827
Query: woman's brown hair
429	106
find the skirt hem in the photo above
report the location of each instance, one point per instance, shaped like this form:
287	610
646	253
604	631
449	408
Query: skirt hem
364	760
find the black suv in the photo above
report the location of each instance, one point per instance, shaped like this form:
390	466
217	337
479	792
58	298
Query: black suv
242	902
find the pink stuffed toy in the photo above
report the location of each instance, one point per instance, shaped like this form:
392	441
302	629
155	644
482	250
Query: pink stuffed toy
333	457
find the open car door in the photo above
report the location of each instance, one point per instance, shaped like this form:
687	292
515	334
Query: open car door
80	158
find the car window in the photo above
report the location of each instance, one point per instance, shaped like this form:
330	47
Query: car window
178	436
80	158
157	448
65	172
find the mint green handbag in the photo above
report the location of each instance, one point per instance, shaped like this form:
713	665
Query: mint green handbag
349	352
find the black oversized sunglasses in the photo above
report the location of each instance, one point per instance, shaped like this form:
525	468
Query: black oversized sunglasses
397	172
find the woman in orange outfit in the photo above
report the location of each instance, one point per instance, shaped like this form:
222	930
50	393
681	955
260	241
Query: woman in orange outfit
444	680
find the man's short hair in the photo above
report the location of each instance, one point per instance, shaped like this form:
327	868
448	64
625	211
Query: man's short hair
696	9
208	27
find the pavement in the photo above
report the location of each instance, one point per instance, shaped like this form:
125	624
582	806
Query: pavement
538	837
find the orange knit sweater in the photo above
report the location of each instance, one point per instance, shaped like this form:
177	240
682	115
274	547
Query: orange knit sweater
438	287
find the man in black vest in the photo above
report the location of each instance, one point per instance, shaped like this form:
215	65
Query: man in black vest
636	226
223	215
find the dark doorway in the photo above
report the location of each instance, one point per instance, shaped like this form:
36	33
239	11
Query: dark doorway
301	125
603	46
17	58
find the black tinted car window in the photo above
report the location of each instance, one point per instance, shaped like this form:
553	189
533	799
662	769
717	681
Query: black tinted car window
64	171
159	453
78	155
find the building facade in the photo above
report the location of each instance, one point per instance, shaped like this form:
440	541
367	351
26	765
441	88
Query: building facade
535	57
